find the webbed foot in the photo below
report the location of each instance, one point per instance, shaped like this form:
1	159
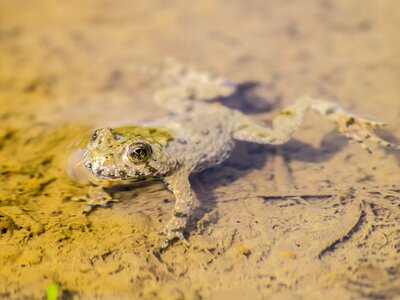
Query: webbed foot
361	130
96	197
172	235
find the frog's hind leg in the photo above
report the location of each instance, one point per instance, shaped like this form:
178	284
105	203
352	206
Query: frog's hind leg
181	85
353	127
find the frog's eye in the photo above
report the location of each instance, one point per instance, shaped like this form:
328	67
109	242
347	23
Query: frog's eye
139	152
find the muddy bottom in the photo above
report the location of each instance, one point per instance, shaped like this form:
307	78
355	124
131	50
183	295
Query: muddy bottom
316	217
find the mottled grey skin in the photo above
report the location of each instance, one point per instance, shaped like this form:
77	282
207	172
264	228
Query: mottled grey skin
199	135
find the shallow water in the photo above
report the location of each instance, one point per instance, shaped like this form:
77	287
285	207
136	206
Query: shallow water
317	216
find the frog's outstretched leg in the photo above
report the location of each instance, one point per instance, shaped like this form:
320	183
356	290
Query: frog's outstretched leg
179	184
283	126
181	85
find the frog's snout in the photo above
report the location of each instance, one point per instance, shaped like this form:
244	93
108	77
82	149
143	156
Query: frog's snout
100	165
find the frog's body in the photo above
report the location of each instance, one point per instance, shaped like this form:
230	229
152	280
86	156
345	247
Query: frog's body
200	140
199	135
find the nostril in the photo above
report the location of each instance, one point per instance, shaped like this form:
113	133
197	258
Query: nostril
95	135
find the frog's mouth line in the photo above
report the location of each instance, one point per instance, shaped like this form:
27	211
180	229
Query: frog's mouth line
121	175
100	172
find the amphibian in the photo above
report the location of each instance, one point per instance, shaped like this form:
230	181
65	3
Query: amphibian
199	134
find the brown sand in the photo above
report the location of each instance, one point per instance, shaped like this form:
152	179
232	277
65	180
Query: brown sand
317	217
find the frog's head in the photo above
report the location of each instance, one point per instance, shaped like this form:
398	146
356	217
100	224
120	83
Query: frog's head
129	153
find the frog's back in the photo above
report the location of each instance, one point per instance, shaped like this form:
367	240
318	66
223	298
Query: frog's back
201	137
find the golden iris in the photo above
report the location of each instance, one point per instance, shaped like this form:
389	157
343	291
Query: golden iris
139	152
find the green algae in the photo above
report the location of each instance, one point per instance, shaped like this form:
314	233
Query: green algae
52	292
149	134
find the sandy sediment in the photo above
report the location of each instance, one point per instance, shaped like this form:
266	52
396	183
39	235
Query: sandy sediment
315	217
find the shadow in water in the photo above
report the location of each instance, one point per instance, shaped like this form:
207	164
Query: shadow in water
395	141
247	157
248	101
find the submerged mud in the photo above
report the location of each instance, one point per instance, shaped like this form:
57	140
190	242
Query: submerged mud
315	217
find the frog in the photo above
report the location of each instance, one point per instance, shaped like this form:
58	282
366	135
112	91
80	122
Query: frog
198	133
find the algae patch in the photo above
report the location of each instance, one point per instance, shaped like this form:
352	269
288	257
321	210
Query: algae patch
151	135
52	292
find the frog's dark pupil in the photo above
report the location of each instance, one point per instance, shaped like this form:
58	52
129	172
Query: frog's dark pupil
139	152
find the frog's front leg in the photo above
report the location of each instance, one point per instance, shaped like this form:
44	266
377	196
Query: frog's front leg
96	197
179	184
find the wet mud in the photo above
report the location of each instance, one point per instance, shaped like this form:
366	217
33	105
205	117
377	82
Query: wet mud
316	217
